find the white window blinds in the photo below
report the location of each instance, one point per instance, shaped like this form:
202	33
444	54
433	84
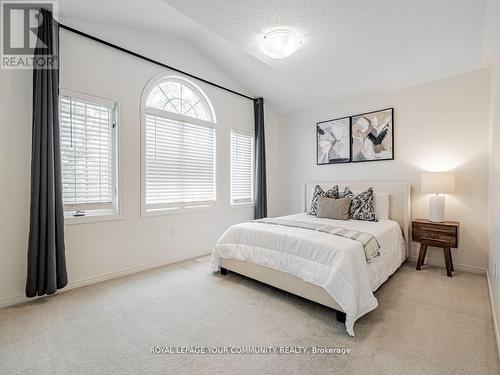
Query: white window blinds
242	156
87	153
180	163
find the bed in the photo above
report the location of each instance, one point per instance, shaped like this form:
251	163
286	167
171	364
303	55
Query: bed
324	268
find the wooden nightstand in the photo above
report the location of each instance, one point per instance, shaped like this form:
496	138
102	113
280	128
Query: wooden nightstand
443	235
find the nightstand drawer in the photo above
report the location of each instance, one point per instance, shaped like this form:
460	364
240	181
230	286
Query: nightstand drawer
434	239
435	235
438	228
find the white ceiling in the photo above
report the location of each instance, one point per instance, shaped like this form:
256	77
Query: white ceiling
350	48
152	15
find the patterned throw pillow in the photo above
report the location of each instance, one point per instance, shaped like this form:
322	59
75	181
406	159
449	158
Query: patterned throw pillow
347	193
361	205
318	191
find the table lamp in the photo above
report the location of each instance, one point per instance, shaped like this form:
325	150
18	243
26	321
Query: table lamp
437	183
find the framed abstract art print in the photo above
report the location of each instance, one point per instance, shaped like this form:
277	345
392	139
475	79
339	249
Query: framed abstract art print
333	141
373	136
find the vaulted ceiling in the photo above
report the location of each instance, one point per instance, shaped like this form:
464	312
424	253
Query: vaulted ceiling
350	48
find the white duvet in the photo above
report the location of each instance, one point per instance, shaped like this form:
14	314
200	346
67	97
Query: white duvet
335	263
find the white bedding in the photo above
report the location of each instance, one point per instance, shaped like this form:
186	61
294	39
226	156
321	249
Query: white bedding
335	263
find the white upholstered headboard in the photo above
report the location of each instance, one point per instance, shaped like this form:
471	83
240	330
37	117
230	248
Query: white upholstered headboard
399	201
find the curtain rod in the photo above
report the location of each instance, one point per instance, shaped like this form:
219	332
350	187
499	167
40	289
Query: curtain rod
81	33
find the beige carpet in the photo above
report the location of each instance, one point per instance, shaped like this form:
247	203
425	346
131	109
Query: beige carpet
426	323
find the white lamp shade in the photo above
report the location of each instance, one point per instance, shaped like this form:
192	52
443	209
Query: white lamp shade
437	182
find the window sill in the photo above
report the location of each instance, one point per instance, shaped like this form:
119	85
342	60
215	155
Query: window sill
242	205
91	217
177	211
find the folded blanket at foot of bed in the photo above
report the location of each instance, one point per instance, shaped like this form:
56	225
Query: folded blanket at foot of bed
369	242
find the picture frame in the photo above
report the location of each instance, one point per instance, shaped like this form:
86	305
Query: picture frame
333	141
372	136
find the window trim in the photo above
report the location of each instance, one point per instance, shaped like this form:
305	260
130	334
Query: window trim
252	189
178	118
117	211
175	78
157	79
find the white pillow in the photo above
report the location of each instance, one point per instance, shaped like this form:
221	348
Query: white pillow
380	204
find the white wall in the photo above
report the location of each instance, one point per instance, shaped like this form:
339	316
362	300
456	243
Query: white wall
15	158
439	125
99	250
494	222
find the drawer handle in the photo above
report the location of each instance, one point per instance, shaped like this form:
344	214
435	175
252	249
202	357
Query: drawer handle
435	230
435	239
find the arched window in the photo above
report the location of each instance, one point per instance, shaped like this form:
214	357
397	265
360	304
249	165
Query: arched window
179	146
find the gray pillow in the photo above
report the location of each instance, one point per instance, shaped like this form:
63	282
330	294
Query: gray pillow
318	191
337	209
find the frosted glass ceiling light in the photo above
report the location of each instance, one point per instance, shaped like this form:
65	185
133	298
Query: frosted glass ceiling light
280	43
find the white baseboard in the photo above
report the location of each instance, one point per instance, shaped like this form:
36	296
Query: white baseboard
493	312
9	301
457	266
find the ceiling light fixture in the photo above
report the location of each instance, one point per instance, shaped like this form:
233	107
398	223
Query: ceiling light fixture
279	44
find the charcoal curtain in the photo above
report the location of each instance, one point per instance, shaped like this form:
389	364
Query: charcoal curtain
46	253
260	210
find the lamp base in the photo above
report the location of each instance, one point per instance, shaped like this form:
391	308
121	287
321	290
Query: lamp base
436	208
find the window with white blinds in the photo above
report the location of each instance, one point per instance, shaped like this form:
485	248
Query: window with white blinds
87	153
179	147
242	157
